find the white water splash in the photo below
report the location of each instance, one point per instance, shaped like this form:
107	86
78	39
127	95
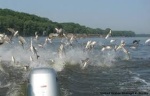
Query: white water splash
145	85
73	56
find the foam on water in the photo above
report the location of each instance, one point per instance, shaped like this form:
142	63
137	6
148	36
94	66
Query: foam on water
14	90
49	58
73	56
145	85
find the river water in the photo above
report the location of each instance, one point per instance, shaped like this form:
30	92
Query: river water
108	72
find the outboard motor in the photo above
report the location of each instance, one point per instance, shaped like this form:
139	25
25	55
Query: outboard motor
42	82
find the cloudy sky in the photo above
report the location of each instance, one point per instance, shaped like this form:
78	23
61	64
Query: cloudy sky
130	15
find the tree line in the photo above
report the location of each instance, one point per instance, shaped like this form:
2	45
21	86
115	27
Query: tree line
28	24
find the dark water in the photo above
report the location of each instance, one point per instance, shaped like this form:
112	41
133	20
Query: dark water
109	73
97	81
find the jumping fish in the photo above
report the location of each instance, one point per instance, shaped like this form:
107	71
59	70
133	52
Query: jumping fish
33	50
122	44
147	41
31	59
13	59
58	30
127	52
22	41
85	62
36	36
108	35
90	44
14	33
106	47
2	38
61	51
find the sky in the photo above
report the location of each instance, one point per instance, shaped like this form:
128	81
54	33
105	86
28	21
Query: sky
129	15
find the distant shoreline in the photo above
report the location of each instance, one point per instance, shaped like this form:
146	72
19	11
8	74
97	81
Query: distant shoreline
100	36
103	36
142	35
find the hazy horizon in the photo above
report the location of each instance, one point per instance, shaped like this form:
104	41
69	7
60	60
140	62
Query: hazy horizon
130	15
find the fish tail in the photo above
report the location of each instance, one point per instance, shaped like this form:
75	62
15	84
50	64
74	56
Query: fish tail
38	56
